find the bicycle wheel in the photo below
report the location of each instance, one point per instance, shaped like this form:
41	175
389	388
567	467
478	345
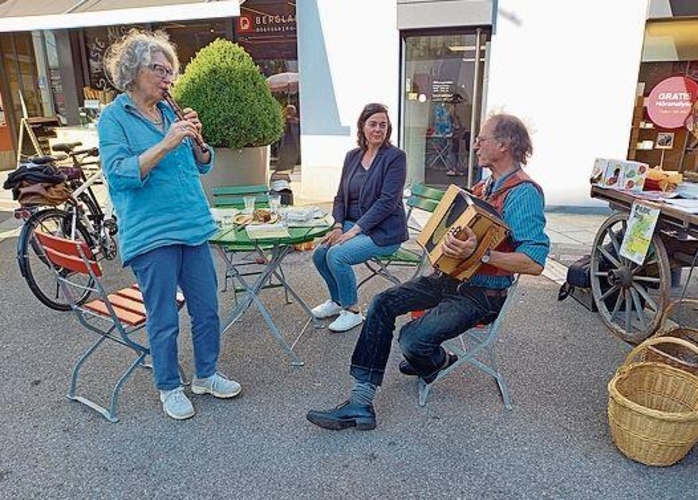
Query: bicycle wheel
36	269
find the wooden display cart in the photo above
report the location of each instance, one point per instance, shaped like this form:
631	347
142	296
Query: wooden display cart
631	298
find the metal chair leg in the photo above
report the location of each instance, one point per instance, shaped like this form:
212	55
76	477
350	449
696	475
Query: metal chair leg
423	392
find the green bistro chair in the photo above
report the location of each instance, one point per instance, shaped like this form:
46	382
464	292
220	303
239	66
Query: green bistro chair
423	198
234	197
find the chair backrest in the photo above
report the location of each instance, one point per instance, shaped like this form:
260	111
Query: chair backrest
424	198
234	196
421	198
72	255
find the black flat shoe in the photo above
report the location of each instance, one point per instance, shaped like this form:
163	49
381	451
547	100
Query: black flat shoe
407	369
345	416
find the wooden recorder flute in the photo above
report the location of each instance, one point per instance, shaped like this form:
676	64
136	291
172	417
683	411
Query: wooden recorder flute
180	114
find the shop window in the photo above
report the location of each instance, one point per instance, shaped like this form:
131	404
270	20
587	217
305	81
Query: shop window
671	40
670	49
441	102
190	36
266	29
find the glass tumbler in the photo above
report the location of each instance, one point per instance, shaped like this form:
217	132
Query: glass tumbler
274	203
249	204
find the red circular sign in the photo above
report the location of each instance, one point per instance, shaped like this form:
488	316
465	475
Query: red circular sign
670	102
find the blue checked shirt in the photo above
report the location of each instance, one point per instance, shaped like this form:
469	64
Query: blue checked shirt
523	212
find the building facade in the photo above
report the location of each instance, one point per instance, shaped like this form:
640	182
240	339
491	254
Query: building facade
578	74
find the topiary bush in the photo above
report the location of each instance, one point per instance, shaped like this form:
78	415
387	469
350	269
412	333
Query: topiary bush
224	85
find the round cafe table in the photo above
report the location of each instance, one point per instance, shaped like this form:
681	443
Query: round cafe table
271	248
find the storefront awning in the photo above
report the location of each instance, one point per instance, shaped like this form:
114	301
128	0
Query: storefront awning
23	15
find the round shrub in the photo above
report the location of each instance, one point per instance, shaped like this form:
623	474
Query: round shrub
224	85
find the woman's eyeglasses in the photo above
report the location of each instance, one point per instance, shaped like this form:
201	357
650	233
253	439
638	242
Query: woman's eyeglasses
161	71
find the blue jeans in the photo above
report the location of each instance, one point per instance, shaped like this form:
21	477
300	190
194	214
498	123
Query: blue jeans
453	307
335	264
159	273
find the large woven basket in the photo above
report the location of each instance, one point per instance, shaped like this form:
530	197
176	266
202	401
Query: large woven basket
674	355
653	408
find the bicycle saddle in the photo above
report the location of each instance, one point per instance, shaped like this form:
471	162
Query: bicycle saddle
66	147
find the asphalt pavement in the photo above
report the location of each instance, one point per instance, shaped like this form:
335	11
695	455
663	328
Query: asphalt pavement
557	357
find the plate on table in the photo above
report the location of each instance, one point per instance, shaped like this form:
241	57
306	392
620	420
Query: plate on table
261	216
220	214
303	214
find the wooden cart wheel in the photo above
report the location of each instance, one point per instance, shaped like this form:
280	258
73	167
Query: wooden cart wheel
630	297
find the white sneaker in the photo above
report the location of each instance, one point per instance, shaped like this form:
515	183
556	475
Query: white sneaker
218	385
326	309
346	321
176	404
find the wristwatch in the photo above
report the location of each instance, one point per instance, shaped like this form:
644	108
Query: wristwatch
485	259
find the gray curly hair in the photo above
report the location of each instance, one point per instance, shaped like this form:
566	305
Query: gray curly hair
510	129
134	52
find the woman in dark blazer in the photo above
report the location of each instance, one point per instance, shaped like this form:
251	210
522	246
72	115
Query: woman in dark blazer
369	216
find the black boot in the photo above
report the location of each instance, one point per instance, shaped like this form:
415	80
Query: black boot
346	415
407	369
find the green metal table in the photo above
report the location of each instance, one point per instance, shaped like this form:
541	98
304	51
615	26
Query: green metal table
271	253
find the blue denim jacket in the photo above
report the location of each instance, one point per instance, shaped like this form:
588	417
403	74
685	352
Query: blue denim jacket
167	206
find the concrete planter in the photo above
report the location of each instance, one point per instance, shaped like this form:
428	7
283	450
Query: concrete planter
237	167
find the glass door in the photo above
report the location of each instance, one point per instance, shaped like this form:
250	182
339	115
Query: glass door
441	103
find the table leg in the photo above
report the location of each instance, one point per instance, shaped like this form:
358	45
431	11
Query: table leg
252	296
302	303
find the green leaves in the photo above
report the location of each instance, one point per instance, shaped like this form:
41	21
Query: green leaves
224	85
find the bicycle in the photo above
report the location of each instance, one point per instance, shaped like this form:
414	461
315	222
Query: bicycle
81	217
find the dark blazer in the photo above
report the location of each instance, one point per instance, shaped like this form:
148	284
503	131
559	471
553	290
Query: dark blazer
382	212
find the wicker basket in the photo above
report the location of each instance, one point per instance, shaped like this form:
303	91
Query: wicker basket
653	408
674	355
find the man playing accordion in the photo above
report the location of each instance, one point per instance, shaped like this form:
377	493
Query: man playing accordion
452	306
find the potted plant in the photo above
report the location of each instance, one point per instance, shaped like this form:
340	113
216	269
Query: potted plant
240	116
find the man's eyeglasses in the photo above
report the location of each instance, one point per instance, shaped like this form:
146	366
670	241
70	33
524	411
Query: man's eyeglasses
482	138
161	71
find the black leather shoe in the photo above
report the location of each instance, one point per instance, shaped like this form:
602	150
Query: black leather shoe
346	415
452	358
407	369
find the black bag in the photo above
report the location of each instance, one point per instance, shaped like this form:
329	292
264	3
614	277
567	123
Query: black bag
578	276
578	284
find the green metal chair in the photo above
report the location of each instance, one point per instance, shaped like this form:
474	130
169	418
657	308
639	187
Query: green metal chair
234	197
420	197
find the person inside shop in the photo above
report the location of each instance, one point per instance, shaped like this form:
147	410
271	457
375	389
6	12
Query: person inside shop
289	146
452	306
369	216
459	133
152	165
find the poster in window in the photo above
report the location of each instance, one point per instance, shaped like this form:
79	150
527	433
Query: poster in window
665	140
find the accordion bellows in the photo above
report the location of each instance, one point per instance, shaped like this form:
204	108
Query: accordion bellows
456	210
